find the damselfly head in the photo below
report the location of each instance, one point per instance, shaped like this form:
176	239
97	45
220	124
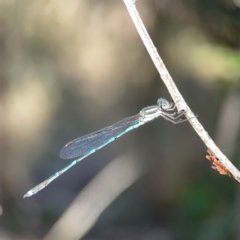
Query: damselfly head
163	103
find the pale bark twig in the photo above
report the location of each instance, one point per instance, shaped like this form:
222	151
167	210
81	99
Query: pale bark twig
174	92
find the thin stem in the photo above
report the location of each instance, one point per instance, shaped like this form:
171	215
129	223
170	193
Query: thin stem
174	92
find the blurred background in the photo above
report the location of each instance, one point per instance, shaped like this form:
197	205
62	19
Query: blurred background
68	68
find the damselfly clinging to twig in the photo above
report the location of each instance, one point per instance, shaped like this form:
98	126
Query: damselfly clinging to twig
88	144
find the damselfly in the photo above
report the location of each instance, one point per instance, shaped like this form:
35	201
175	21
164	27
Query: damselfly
88	144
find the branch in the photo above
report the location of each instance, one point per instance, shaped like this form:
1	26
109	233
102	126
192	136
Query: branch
176	95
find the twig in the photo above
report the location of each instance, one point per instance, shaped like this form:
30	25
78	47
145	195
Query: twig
217	165
176	95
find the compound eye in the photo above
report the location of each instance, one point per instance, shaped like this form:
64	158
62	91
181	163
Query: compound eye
160	101
165	105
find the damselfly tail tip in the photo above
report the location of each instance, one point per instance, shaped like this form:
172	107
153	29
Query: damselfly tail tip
28	194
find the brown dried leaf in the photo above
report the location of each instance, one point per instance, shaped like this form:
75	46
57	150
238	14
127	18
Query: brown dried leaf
217	165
